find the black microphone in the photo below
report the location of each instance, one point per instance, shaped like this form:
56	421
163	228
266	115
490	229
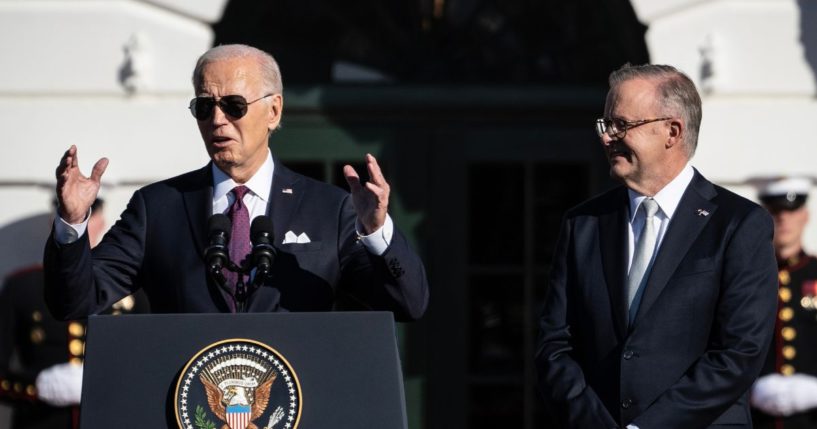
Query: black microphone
216	253
263	253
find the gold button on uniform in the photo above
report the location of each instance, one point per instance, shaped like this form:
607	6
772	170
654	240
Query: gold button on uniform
30	390
37	335
789	352
784	277
76	347
76	329
5	385
786	313
786	369
37	316
76	361
785	294
788	333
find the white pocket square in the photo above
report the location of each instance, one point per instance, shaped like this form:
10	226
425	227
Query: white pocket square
290	238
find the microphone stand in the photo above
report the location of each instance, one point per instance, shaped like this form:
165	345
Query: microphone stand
242	290
240	293
221	281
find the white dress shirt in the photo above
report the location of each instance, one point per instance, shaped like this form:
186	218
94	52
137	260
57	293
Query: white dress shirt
668	199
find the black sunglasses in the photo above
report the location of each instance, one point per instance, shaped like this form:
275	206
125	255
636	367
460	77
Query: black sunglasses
233	105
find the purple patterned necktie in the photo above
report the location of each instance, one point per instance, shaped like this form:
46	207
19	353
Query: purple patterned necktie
240	245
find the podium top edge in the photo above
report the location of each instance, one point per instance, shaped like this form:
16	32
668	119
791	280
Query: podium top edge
376	315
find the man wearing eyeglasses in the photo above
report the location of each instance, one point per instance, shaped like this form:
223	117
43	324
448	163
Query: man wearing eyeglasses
332	248
785	396
662	293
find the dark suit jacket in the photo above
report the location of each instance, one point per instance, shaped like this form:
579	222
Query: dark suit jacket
701	332
158	245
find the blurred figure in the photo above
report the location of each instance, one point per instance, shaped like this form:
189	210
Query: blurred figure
40	357
785	396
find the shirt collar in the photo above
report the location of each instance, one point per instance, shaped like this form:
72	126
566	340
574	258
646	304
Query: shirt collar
259	184
667	198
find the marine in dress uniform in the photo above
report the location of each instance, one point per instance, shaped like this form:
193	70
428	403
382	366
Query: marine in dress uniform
785	395
37	350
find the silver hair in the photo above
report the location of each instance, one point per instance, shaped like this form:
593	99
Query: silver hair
270	73
676	91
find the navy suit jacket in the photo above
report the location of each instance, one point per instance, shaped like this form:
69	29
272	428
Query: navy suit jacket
158	245
701	332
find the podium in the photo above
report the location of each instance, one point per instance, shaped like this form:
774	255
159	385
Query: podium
327	370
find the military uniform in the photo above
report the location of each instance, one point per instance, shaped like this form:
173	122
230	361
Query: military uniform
38	341
794	349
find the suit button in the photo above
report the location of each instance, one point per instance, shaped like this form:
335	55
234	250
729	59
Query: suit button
628	354
627	403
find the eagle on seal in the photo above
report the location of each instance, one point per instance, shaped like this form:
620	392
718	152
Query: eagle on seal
255	396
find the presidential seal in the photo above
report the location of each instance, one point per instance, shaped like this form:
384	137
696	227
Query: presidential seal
238	384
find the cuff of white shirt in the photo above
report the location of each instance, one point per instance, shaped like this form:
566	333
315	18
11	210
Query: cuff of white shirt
378	241
632	427
66	233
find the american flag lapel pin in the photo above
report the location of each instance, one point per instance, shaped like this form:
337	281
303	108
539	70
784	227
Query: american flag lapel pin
702	212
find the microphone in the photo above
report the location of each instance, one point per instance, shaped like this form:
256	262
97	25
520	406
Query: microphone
263	253
216	253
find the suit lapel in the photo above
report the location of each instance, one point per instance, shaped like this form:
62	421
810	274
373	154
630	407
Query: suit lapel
613	242
198	204
684	228
285	196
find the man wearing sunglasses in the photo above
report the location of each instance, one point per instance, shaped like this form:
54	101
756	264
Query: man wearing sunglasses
333	249
662	293
785	396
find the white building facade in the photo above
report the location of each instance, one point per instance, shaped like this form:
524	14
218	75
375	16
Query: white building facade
113	78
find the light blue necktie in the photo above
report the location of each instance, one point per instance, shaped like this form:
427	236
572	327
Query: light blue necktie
642	257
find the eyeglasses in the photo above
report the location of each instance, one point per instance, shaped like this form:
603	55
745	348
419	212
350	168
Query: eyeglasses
232	105
617	128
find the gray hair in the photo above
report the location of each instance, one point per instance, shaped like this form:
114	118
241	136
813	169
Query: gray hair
270	73
677	95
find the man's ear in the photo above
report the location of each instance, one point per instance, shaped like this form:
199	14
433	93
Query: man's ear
677	129
275	109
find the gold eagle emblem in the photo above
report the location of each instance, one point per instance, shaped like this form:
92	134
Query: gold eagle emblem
239	381
238	384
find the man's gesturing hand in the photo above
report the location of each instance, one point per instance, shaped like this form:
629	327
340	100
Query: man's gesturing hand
372	198
75	192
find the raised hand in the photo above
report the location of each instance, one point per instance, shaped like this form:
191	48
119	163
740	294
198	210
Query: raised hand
371	199
75	192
